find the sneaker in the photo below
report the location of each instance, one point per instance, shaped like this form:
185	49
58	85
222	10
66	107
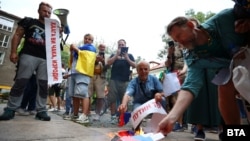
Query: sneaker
200	136
65	113
33	112
113	120
52	110
185	126
66	117
178	127
193	129
79	118
7	114
96	118
83	119
74	117
43	116
221	136
22	112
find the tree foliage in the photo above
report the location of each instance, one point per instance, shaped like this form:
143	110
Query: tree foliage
200	16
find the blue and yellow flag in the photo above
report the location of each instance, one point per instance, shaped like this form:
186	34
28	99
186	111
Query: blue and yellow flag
86	60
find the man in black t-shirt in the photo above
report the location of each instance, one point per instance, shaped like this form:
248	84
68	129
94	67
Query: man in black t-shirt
31	58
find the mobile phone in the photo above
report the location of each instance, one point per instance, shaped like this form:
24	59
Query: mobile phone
171	43
124	50
101	54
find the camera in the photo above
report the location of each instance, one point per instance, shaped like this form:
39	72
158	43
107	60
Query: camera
171	43
101	54
124	50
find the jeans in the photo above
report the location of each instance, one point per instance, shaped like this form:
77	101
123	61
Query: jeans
68	104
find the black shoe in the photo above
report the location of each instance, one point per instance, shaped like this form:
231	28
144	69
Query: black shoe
221	136
43	116
200	136
7	114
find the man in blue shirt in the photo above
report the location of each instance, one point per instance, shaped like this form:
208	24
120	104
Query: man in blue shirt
142	88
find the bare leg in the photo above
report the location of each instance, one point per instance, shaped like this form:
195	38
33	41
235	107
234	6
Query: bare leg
53	101
228	105
59	103
76	105
85	106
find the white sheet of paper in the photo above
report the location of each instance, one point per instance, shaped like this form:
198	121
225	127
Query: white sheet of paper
171	84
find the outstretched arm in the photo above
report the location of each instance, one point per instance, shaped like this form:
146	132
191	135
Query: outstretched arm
183	101
123	107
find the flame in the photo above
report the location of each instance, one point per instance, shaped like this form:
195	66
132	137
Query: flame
139	131
111	135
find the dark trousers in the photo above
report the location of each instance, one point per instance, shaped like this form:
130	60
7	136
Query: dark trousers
29	96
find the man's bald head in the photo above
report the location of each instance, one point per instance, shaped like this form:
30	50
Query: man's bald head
143	69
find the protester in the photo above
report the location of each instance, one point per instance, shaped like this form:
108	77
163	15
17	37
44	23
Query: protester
174	64
98	81
121	63
55	97
68	99
142	88
28	104
82	61
210	45
32	58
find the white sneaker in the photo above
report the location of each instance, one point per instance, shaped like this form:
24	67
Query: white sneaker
22	112
83	119
79	118
52	110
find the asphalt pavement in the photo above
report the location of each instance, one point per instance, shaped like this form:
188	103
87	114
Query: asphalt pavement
27	128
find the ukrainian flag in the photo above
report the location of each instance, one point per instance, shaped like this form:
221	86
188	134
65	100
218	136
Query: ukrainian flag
86	60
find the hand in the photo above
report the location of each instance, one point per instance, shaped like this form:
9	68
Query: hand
125	54
122	108
180	72
171	50
118	52
99	58
166	125
71	48
158	97
14	57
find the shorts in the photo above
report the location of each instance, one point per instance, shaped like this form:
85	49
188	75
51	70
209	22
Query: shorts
97	86
54	90
78	85
116	91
